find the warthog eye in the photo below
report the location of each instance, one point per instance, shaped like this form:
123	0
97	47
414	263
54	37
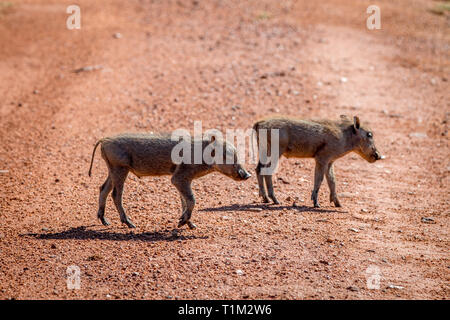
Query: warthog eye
369	134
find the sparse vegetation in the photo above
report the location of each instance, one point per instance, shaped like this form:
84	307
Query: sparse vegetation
441	8
263	15
4	6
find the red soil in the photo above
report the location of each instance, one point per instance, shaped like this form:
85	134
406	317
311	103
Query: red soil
180	61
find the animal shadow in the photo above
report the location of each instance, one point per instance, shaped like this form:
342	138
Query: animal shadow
267	207
82	233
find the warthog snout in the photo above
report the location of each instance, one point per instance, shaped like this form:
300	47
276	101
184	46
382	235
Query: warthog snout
377	155
244	174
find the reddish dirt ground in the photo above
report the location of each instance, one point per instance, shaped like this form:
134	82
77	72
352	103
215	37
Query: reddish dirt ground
181	61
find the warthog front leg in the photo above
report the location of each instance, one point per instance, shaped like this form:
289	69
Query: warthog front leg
262	187
268	179
318	178
332	185
183	186
185	214
183	204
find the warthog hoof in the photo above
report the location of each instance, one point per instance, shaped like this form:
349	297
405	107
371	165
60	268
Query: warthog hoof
105	222
129	224
191	225
335	201
275	200
182	221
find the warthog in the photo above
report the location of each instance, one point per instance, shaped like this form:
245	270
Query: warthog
151	155
323	140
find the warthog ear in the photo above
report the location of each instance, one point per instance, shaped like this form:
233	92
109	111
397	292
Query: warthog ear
212	139
356	124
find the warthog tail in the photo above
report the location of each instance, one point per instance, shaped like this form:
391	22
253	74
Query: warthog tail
93	153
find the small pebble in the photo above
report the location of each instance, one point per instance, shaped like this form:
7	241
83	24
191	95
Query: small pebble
427	220
391	286
420	135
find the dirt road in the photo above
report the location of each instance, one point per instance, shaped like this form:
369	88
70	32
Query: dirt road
161	65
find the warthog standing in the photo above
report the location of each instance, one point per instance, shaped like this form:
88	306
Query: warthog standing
151	155
323	140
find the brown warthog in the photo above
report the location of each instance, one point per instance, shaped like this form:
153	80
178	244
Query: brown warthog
151	155
323	140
